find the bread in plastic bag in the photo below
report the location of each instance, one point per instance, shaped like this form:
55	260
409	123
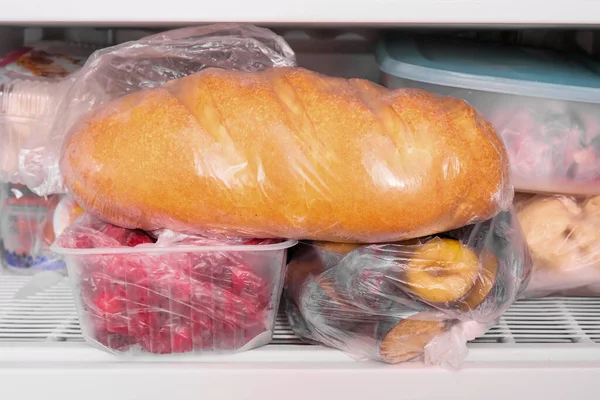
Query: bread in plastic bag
419	299
150	62
138	294
563	234
286	152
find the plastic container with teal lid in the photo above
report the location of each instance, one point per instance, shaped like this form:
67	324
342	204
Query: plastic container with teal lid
545	105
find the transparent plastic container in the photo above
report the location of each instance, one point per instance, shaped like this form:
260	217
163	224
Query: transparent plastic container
544	105
150	299
22	104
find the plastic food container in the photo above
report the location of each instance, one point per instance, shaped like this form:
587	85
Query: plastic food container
152	299
544	105
22	103
29	83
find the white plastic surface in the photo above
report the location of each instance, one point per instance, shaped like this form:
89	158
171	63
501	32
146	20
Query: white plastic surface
115	12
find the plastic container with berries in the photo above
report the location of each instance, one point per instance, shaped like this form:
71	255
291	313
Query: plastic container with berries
136	295
545	105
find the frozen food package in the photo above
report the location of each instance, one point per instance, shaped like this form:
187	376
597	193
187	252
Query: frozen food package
249	151
563	234
553	146
414	300
543	104
114	72
138	296
43	61
27	231
30	79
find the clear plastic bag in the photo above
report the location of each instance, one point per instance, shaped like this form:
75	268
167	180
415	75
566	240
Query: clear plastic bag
404	301
133	66
138	295
250	151
563	234
29	82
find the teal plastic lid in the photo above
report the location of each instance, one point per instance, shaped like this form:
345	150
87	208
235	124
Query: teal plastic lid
490	67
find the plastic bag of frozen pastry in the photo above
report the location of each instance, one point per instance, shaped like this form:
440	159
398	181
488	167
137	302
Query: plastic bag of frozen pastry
563	234
135	66
282	152
412	300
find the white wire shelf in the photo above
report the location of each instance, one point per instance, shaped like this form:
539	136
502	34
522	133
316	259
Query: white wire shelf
552	342
50	315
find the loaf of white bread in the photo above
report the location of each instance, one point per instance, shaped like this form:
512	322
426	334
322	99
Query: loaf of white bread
287	152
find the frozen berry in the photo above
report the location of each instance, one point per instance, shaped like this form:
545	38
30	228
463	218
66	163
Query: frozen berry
138	237
156	344
108	303
169	302
115	232
181	338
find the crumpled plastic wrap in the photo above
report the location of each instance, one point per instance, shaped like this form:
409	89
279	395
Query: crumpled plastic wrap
29	80
415	300
563	234
139	295
133	66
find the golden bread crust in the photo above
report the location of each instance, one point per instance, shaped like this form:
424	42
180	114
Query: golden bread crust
287	153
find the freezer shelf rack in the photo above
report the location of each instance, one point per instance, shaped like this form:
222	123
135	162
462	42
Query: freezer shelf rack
29	313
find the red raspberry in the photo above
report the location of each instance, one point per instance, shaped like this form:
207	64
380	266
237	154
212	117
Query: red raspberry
249	286
117	323
182	340
108	303
137	237
140	296
84	240
138	322
171	284
156	344
116	267
79	242
115	232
